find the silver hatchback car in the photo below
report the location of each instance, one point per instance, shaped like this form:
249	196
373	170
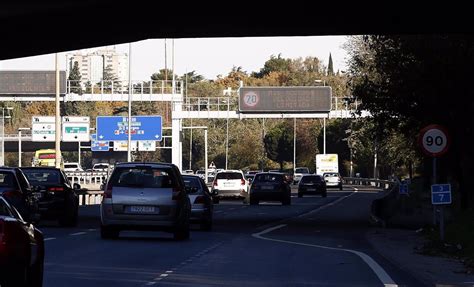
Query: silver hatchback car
145	196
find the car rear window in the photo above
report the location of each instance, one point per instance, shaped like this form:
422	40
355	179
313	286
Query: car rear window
268	178
311	179
4	210
331	175
302	170
143	177
42	176
229	175
7	179
192	182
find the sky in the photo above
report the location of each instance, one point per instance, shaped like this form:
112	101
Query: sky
207	56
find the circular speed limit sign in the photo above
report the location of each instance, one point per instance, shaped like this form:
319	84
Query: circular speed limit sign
251	99
434	140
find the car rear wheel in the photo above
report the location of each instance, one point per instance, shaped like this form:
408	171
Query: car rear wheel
286	201
35	275
182	233
107	232
340	187
324	193
253	201
215	200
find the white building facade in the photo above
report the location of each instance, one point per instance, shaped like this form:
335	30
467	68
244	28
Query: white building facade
92	65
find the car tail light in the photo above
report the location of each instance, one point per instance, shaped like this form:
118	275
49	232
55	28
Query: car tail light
176	192
242	181
215	183
199	199
10	193
56	189
108	191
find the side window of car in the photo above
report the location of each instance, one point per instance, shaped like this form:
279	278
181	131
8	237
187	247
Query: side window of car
65	179
24	184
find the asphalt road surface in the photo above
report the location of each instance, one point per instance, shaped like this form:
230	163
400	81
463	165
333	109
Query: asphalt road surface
314	242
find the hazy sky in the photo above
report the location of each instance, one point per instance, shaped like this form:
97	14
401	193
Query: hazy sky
208	56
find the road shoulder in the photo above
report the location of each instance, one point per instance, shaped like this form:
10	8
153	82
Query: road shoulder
400	247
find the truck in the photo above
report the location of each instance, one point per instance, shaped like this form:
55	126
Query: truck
327	163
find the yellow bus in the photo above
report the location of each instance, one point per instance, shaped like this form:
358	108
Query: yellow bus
44	157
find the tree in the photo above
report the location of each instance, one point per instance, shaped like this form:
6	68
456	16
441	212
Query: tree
330	66
279	143
110	80
74	79
275	64
410	81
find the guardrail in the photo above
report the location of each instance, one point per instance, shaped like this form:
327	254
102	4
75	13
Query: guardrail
380	183
90	185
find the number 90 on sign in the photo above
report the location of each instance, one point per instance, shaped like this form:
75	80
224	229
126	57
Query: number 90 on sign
434	140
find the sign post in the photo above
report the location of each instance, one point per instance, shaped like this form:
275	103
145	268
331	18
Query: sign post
435	141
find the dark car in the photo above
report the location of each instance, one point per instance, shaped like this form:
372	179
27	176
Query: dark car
145	196
312	184
249	177
201	201
270	186
57	196
21	249
16	189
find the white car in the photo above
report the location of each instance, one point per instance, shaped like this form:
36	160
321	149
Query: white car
188	171
72	166
299	172
201	173
333	179
101	167
230	183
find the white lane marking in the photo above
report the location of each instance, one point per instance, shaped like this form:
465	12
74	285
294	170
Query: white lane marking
77	233
376	268
163	275
169	271
49	238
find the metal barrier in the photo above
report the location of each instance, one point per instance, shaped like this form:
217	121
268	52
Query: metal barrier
87	177
380	183
90	197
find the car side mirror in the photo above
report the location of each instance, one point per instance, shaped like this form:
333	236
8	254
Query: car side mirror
33	218
76	186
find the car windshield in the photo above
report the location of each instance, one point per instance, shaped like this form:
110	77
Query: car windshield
146	177
42	176
273	178
331	175
302	170
100	166
192	182
229	175
311	179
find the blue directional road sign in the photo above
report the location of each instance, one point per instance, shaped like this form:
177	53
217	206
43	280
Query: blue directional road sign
144	128
98	145
440	194
403	188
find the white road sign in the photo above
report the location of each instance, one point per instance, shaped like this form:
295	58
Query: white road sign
434	140
43	129
123	145
146	145
76	129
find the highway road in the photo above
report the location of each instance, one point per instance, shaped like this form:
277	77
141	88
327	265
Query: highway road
314	242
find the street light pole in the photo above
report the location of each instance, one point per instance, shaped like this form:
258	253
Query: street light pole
294	145
129	146
57	117
2	162
19	144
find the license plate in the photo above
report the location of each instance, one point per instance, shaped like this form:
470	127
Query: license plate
228	184
266	187
143	209
38	195
311	189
